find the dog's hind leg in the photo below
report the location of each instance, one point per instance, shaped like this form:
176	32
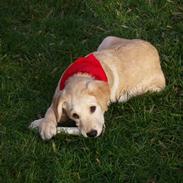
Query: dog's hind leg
155	84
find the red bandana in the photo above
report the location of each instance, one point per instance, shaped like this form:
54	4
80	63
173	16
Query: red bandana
89	65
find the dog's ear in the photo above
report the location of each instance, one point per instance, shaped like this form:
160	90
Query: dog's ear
101	91
58	101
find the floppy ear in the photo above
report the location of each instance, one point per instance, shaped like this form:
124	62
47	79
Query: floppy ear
101	91
58	101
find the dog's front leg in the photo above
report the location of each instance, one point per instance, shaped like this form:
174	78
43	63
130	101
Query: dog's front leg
47	125
54	114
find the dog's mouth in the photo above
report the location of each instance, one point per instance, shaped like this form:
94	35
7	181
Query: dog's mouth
93	133
71	123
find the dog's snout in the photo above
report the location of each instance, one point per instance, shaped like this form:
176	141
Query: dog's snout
92	133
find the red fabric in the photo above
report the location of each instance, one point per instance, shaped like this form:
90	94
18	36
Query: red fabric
89	65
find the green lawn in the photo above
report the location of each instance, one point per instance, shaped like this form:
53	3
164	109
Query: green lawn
143	141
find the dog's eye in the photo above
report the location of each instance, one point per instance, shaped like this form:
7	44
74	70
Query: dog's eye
92	109
76	116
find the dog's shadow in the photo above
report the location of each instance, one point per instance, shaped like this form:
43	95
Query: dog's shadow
69	123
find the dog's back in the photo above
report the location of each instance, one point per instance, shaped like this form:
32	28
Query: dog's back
134	64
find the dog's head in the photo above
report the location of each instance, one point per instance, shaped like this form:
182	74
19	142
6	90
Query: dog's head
85	102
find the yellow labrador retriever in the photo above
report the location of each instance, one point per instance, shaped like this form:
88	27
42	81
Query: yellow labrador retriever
122	69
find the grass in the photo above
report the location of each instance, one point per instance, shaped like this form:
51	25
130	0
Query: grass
143	141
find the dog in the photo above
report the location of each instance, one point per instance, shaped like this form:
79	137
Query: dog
118	70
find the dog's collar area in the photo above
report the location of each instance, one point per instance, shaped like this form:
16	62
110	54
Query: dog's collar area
89	65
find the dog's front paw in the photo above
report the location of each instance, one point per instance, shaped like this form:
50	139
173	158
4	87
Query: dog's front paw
47	129
35	124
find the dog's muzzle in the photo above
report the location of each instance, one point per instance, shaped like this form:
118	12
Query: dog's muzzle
94	133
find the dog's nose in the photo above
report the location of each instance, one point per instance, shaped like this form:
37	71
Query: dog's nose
92	133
